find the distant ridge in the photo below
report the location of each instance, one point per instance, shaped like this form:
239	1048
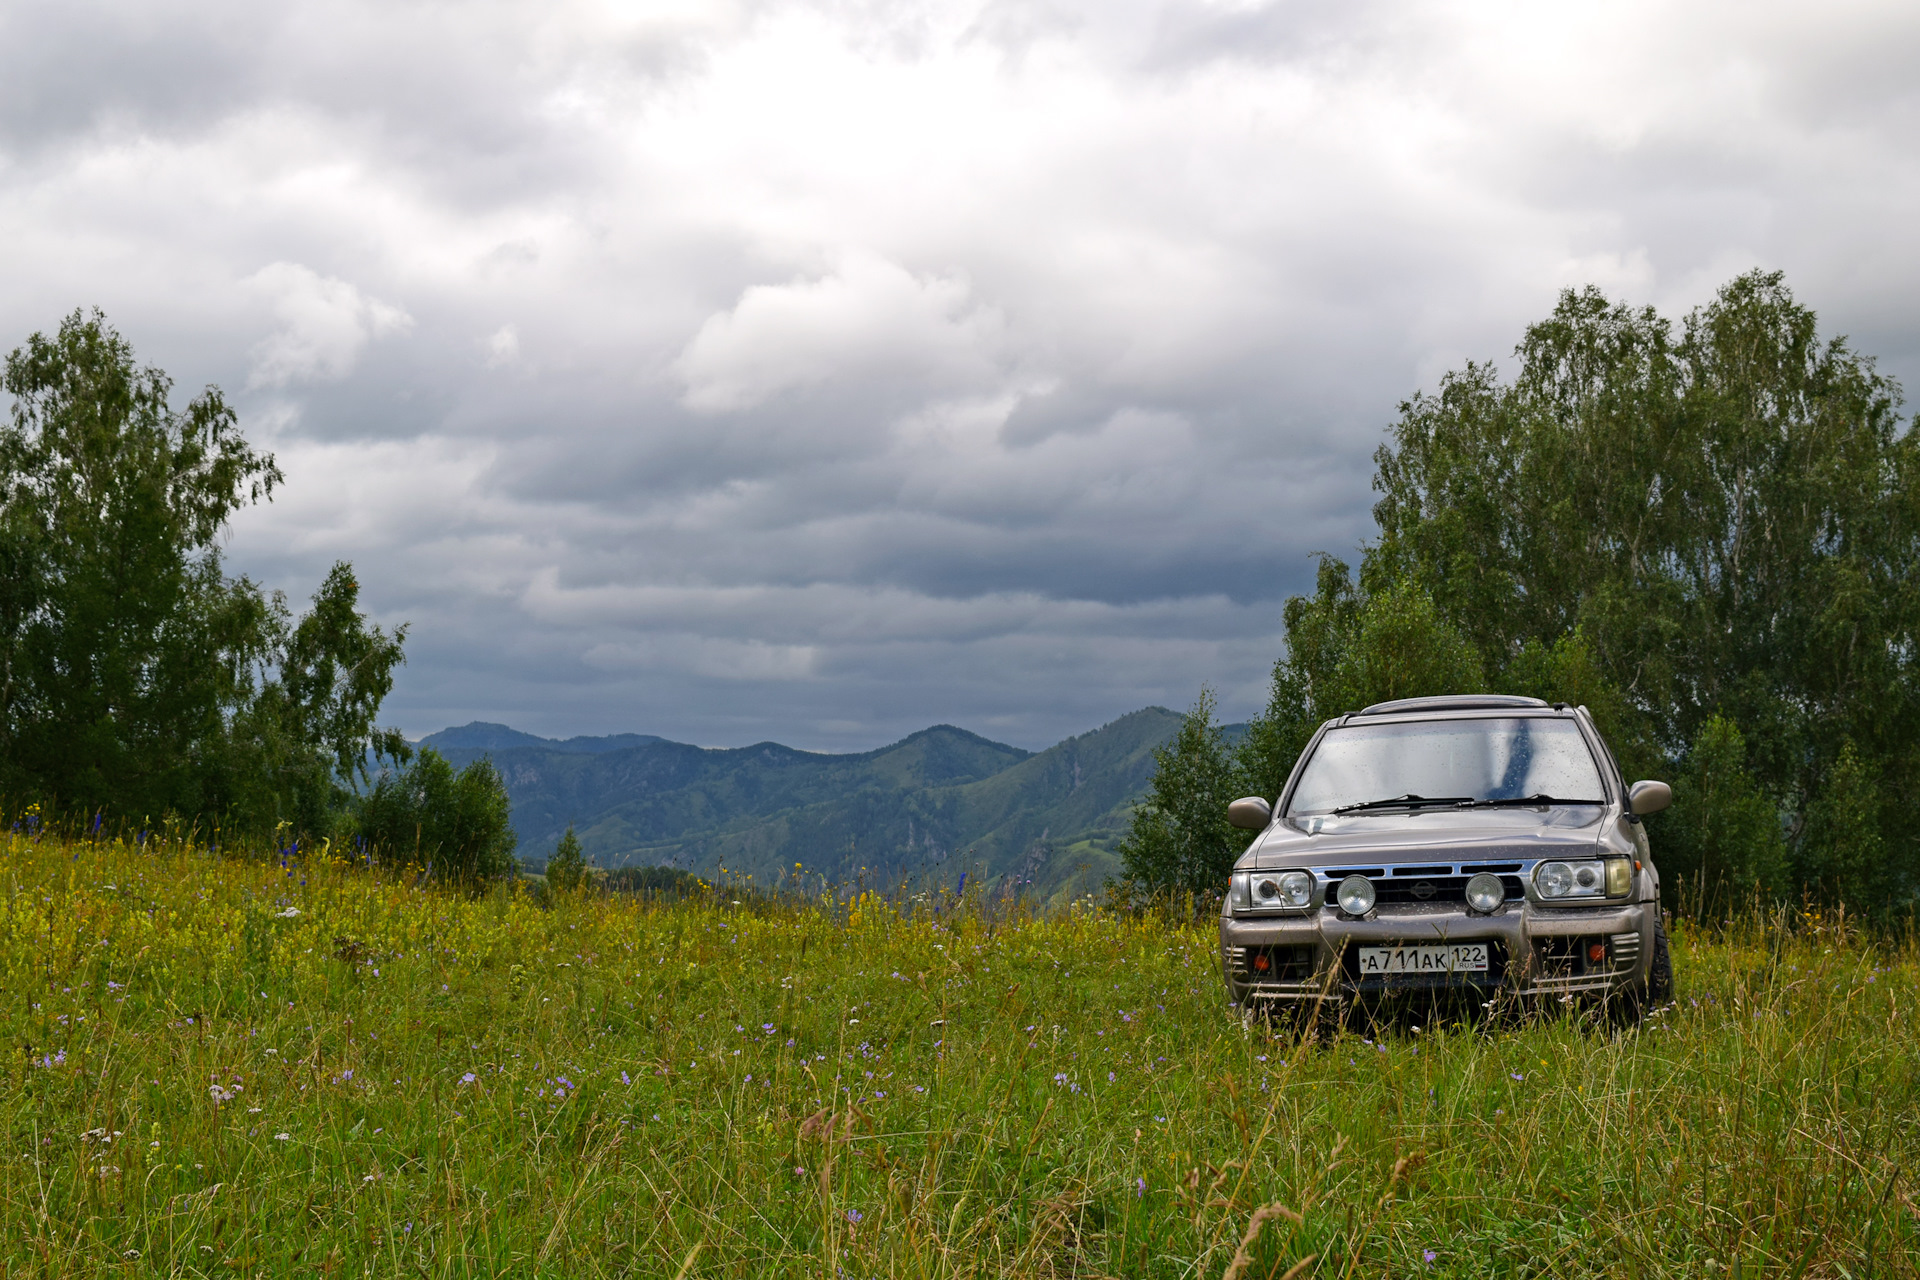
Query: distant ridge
482	735
937	803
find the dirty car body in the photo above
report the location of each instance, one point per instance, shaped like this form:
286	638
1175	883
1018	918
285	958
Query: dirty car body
1477	846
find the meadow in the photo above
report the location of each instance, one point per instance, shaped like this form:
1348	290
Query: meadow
279	1066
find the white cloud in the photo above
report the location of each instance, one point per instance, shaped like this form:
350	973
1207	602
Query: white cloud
817	370
870	320
325	323
503	346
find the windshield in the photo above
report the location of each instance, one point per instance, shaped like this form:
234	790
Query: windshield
1453	760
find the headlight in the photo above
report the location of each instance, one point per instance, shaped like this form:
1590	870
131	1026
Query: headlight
1278	890
1619	877
1356	895
1290	889
1485	892
1596	879
1553	879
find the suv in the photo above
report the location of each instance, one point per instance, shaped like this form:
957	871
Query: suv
1480	845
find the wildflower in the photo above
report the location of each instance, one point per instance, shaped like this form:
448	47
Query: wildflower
283	1137
1516	1075
1109	1077
1429	1255
468	1078
854	1215
1139	1188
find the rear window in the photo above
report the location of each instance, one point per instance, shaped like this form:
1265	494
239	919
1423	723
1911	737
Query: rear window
1507	758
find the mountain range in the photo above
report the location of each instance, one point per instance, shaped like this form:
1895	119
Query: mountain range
936	804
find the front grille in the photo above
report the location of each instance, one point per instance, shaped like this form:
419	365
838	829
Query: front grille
1444	883
1626	950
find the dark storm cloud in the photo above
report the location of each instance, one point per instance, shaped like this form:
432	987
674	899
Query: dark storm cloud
818	371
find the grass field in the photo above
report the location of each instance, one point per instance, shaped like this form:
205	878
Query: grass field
223	1067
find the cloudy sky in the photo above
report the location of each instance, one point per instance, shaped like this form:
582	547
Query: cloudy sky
817	372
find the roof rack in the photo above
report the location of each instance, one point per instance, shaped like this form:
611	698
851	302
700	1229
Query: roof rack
1450	702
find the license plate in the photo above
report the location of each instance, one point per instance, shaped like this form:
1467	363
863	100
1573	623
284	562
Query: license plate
1465	957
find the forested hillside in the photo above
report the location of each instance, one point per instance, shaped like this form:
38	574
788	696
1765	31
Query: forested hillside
935	804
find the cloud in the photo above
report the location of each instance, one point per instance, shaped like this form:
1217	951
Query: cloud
868	323
325	323
820	369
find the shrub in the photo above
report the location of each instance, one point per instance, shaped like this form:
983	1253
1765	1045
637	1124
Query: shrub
567	868
430	816
1180	839
1723	833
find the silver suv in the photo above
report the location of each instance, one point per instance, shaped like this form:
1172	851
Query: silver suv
1482	844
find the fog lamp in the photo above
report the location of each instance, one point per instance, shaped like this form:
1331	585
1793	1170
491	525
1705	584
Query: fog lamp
1596	952
1356	895
1485	892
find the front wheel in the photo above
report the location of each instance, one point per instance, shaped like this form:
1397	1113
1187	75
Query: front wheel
1660	977
1657	990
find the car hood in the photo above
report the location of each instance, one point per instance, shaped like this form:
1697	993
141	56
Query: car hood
1478	835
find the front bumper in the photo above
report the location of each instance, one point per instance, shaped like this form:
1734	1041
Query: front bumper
1533	951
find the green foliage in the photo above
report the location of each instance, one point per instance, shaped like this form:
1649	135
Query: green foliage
1403	648
1727	515
122	644
1567	670
616	1085
135	676
454	824
1843	856
1180	839
1723	833
567	868
655	881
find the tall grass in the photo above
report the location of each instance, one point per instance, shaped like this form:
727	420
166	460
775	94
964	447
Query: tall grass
222	1067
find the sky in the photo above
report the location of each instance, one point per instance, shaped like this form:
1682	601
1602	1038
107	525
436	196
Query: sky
817	372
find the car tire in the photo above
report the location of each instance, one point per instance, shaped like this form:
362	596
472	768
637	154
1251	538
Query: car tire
1659	989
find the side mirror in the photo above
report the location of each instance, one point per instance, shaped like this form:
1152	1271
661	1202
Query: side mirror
1649	797
1250	813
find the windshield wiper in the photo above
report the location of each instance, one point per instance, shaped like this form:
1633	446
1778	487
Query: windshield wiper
1524	801
1406	801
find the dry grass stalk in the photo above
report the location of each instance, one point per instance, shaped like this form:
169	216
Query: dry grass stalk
1243	1256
